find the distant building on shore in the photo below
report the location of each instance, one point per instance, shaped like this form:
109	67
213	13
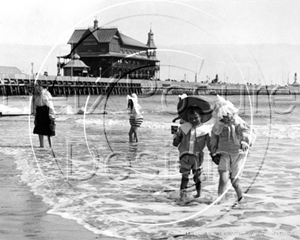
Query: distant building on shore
107	52
5	70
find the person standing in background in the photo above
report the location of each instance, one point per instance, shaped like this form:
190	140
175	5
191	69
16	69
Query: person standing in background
135	117
43	110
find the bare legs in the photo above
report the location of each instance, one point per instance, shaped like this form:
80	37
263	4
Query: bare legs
49	141
223	180
237	187
41	139
133	131
224	177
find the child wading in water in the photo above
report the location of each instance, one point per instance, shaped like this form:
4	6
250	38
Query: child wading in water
135	118
230	139
191	138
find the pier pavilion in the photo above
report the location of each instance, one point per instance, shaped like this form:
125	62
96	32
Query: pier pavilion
75	67
108	52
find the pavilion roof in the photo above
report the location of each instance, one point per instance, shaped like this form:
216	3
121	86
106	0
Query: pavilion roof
76	63
104	35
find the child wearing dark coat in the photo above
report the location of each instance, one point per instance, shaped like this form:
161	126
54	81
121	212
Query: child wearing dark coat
191	139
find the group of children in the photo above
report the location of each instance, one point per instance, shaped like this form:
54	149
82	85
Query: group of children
227	140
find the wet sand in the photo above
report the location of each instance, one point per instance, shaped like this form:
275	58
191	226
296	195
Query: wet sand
23	214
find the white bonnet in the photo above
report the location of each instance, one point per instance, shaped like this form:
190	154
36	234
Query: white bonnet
224	108
134	99
182	96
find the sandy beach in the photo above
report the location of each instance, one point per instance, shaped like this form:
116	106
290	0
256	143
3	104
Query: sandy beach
23	214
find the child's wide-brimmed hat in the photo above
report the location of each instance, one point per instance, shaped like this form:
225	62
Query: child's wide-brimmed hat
205	107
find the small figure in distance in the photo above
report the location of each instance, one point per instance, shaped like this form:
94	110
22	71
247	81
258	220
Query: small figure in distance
135	117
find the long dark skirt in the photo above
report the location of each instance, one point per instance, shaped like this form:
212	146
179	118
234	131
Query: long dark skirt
43	124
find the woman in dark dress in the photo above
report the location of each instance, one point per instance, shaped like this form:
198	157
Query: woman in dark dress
43	109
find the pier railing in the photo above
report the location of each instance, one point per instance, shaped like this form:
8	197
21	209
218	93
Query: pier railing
19	84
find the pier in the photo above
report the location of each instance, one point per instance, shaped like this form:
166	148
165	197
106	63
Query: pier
62	85
22	84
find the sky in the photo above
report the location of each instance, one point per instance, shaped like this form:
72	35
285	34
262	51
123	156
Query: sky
240	39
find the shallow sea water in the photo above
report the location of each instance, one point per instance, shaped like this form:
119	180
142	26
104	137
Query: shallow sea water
112	187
